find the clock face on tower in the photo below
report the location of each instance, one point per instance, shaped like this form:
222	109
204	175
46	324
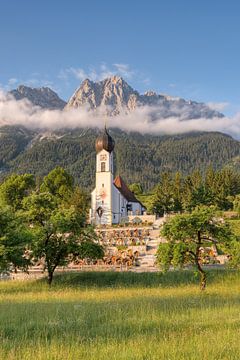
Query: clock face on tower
103	157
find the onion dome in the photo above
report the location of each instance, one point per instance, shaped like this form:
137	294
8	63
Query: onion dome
104	141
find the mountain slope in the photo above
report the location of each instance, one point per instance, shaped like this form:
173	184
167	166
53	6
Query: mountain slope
43	97
138	158
116	96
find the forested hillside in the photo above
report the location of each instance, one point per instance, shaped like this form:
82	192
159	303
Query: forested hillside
139	158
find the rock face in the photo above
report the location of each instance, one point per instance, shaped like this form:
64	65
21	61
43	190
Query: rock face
43	97
113	95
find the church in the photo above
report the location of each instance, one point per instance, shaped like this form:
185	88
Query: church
111	200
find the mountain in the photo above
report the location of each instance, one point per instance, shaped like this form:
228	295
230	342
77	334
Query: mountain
43	97
116	96
138	158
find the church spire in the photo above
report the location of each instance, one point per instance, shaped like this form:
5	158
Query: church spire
104	141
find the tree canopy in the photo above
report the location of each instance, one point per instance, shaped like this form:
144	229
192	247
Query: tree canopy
188	235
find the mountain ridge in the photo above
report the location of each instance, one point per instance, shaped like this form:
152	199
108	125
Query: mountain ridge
44	97
117	96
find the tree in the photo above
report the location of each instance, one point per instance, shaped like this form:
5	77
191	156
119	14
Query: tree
163	200
136	188
60	233
236	204
188	235
58	183
177	192
15	239
15	188
80	200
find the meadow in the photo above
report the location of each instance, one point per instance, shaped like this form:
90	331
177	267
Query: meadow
108	315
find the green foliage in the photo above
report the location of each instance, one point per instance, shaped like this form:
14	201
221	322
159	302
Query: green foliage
89	249
139	158
167	196
178	193
188	234
15	238
136	188
236	204
234	250
59	232
15	188
164	255
58	183
51	221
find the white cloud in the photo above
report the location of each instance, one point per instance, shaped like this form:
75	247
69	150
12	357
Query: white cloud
36	80
97	73
219	106
124	70
22	112
12	82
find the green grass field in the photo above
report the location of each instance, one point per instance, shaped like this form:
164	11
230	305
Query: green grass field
121	316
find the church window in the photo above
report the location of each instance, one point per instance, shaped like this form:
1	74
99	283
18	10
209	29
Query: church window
103	166
102	185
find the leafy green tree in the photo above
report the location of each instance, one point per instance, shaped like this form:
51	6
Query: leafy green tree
136	188
177	192
236	204
233	250
15	239
80	200
163	200
60	233
59	183
188	235
15	188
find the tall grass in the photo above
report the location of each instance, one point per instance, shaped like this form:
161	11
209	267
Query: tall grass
121	316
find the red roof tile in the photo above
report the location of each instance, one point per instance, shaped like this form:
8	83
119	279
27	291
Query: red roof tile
124	190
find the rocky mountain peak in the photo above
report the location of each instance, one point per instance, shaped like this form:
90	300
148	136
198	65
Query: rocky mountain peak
150	93
43	97
116	96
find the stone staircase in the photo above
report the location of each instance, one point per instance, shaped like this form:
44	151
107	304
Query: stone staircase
147	259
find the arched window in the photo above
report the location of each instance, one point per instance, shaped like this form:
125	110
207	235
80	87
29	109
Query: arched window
103	166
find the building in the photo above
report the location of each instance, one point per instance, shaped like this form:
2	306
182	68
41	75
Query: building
111	200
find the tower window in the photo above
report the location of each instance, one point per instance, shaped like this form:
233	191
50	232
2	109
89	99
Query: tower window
103	166
102	185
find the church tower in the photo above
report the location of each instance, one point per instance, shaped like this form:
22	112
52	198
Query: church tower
102	195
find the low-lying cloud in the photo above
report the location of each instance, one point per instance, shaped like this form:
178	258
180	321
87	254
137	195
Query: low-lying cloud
23	113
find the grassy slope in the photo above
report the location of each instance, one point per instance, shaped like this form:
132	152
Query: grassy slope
121	316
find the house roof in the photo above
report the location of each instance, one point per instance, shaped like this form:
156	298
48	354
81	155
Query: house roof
124	190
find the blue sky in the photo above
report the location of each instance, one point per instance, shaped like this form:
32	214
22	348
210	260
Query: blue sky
185	48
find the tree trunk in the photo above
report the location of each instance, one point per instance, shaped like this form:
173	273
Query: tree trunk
202	273
50	277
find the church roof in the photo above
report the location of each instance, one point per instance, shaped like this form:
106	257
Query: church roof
124	190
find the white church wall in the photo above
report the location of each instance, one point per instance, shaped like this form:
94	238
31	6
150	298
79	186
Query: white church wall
103	190
104	157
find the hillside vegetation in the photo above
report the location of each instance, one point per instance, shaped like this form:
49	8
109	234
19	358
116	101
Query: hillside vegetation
138	158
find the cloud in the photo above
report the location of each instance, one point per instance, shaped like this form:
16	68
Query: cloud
97	73
219	106
124	70
22	112
35	80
